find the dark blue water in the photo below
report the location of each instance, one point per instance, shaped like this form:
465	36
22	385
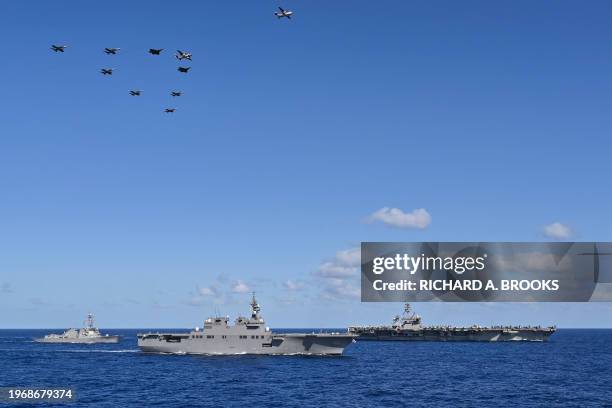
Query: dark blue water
573	369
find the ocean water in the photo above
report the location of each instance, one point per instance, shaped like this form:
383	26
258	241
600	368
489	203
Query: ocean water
573	369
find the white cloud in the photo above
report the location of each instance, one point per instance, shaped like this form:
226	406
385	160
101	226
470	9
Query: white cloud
556	230
6	287
339	277
205	294
346	263
602	292
338	288
293	285
207	291
240	287
395	217
349	256
336	270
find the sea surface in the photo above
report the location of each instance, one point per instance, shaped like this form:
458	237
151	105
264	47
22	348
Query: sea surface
574	369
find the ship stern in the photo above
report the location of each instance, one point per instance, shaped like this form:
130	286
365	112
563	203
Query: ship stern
315	344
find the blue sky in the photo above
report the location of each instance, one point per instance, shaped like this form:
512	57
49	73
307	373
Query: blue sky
493	117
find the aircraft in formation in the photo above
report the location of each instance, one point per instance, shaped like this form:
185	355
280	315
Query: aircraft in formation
283	13
181	55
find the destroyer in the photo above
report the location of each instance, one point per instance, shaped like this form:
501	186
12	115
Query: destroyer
246	336
408	328
87	335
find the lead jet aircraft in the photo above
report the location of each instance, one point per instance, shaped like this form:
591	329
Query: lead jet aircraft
58	48
112	51
155	51
283	13
176	93
184	69
135	92
181	55
169	110
106	71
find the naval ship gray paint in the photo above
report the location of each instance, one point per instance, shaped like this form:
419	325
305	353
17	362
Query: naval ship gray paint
408	328
246	336
87	335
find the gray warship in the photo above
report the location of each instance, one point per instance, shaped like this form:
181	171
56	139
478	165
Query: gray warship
87	335
246	336
408	328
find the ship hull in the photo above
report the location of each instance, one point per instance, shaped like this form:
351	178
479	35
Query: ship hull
469	336
282	344
94	340
409	328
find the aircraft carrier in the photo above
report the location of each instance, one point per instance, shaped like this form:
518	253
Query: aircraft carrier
408	328
246	336
87	335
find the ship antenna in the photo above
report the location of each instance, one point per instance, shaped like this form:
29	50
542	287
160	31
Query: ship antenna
90	320
254	307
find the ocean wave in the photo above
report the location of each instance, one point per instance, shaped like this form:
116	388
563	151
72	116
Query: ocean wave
50	350
97	351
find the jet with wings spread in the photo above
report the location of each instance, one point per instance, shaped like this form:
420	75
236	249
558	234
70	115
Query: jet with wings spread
283	13
181	55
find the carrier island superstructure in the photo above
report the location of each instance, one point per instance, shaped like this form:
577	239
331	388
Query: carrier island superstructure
408	327
246	336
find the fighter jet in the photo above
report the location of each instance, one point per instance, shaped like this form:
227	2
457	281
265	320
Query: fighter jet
135	92
184	69
106	71
155	51
169	110
176	93
283	13
112	51
181	55
58	48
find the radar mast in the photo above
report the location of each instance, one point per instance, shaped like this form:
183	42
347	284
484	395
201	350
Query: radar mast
90	321
254	308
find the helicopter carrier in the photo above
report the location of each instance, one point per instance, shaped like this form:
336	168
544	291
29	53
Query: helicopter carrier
87	335
408	327
246	336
